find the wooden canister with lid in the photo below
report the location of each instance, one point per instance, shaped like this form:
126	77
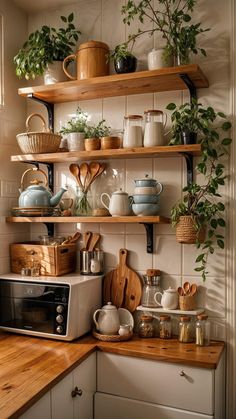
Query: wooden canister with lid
91	60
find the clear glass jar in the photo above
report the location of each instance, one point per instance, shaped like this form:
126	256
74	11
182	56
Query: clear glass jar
165	327
186	330
155	122
146	327
82	204
203	327
133	131
150	287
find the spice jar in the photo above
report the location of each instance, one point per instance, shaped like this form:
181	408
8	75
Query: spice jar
165	327
133	131
202	330
155	122
186	331
146	327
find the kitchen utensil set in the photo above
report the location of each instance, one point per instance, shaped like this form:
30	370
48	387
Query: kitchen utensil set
72	239
187	289
90	241
85	174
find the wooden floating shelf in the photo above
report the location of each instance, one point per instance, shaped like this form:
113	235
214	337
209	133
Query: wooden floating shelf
107	220
162	80
163	311
121	153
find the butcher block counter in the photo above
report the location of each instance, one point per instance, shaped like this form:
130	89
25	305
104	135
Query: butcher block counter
29	366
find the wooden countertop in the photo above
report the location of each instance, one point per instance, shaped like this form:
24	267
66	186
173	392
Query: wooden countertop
29	366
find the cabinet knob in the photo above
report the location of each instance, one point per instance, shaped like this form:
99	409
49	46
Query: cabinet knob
76	392
182	374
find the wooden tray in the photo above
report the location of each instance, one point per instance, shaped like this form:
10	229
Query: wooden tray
111	338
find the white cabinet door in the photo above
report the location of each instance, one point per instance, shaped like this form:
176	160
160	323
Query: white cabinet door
107	407
61	400
40	410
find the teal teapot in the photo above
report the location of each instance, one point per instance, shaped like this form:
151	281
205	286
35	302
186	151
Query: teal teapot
37	195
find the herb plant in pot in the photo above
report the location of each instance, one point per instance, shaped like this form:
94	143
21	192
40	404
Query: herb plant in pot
94	134
201	208
75	131
46	47
124	60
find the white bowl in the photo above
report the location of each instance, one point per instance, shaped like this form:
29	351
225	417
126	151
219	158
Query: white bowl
145	209
145	190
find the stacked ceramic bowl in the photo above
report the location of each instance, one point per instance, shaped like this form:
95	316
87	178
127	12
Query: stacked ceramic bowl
146	196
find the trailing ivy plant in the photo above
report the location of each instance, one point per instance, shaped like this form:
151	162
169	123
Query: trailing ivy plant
202	201
45	46
172	18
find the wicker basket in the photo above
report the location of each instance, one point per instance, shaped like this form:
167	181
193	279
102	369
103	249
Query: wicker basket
186	233
187	302
38	142
111	338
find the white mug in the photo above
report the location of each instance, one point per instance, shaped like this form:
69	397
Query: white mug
124	330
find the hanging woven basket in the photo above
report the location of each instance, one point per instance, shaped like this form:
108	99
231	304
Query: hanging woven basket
186	232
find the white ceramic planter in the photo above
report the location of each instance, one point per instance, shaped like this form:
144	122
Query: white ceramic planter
75	141
155	60
54	73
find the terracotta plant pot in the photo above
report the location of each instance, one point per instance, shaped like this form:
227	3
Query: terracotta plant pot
92	144
110	142
186	233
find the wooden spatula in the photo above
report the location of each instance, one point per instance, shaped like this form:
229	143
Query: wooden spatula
93	241
86	238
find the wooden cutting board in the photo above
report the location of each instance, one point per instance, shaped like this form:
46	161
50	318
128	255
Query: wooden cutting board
122	286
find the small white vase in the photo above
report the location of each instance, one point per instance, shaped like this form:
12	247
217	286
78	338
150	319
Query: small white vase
156	60
75	141
54	73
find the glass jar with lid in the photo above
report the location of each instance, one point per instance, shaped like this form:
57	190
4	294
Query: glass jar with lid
202	330
133	131
146	327
186	330
165	327
150	287
155	122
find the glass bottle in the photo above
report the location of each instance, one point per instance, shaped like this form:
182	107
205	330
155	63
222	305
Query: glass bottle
165	327
133	131
82	204
146	327
155	122
186	330
202	330
150	287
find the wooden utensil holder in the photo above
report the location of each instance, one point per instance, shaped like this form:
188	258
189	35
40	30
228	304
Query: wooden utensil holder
187	302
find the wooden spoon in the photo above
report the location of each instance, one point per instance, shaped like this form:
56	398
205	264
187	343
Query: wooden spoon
193	289
101	170
75	237
94	241
86	237
93	168
186	288
84	170
75	170
180	291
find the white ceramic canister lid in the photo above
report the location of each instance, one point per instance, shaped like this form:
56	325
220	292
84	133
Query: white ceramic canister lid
120	192
109	306
170	290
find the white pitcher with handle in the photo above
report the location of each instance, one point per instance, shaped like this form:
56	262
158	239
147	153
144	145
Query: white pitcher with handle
169	299
119	203
108	322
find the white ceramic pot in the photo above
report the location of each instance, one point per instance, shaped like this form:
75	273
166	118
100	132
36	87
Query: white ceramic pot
155	60
119	203
108	322
169	299
124	330
54	73
75	141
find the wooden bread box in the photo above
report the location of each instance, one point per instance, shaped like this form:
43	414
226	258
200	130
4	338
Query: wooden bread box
53	260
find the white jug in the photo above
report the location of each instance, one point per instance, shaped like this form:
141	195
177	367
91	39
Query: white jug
169	299
119	203
108	322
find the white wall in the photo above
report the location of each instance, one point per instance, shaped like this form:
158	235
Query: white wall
12	117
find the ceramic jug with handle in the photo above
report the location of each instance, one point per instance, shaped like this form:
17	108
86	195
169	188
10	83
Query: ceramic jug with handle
107	320
119	203
37	195
169	299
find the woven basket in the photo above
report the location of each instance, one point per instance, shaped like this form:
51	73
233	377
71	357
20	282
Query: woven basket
38	142
187	302
186	233
111	338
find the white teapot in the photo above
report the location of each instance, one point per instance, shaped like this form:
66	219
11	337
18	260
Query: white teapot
119	203
169	299
108	322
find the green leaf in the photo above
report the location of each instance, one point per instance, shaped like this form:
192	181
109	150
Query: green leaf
226	141
220	206
221	222
171	106
214	223
226	126
221	114
200	257
220	243
63	18
71	17
199	269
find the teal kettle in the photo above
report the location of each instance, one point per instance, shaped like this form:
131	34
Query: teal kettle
38	195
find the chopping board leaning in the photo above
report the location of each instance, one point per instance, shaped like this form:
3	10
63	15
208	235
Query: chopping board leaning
122	286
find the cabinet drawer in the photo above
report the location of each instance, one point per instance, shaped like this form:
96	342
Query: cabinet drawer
133	409
156	382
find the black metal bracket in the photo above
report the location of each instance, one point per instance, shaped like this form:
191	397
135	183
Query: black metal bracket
189	165
190	85
50	109
50	228
149	235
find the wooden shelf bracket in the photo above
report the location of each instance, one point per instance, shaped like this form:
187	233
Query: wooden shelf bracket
149	235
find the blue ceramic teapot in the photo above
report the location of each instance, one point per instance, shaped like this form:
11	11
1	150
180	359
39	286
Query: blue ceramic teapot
37	195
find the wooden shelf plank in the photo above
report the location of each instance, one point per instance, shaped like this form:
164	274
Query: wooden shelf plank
121	153
107	220
165	79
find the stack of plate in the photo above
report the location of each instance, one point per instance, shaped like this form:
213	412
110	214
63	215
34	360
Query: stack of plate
35	211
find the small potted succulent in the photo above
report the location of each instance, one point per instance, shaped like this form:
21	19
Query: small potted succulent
94	134
75	130
45	50
124	60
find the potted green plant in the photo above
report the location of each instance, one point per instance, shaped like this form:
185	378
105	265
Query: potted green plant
75	130
201	208
172	18
124	60
45	47
94	134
